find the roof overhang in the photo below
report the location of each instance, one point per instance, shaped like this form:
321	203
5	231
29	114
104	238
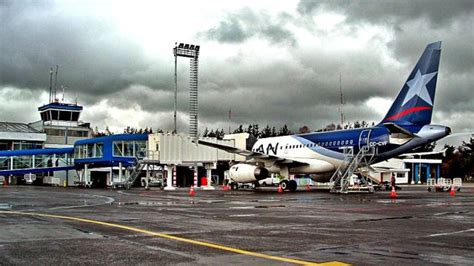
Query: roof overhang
429	161
25	136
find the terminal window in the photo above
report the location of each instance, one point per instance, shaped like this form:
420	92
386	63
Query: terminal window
129	148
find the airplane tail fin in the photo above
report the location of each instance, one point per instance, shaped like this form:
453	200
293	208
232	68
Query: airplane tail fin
414	103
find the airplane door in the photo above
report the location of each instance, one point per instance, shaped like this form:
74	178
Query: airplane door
364	138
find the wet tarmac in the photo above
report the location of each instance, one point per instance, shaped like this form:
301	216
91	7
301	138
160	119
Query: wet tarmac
45	225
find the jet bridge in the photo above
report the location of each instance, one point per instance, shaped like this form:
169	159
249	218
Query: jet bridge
46	161
173	150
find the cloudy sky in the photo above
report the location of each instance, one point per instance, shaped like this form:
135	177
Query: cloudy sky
271	62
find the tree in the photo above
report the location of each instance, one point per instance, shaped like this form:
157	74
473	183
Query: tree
284	131
304	130
206	132
330	127
266	132
429	147
256	131
239	130
467	158
459	162
274	133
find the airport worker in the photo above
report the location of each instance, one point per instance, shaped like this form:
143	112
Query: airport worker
392	180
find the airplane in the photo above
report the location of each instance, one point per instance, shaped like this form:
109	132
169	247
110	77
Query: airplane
406	126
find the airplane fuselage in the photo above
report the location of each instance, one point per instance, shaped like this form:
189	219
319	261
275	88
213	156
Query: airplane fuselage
407	125
326	151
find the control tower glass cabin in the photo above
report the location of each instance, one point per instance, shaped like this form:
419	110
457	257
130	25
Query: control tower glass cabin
60	122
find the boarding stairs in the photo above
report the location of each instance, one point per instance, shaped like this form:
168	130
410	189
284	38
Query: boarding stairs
340	180
136	169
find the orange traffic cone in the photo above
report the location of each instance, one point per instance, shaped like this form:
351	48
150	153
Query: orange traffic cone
393	194
308	187
192	193
280	190
452	192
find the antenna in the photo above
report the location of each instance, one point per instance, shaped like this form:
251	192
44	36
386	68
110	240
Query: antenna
50	85
62	100
342	101
56	81
230	118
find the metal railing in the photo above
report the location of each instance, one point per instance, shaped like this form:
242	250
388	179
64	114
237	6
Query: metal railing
340	180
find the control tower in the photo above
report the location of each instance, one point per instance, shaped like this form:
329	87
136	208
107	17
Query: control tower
60	121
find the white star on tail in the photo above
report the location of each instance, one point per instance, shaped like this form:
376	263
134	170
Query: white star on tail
418	87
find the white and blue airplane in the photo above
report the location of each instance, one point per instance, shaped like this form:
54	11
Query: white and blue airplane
406	126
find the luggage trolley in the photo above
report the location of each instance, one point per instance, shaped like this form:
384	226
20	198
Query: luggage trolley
444	184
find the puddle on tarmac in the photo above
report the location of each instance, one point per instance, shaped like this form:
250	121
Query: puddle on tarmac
269	206
242	215
5	206
258	207
145	203
391	201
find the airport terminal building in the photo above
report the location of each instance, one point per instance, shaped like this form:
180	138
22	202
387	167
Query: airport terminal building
61	150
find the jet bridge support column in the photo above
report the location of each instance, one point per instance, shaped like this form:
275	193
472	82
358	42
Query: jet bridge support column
209	168
87	176
170	173
195	176
147	178
120	172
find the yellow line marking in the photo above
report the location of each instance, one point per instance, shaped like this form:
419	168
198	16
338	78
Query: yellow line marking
177	238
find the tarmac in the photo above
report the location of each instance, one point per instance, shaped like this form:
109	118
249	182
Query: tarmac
55	225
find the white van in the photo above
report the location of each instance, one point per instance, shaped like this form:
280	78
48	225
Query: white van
270	181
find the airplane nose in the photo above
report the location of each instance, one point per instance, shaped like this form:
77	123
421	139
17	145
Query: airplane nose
447	130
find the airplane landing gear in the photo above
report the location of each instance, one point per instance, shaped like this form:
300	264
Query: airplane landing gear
290	185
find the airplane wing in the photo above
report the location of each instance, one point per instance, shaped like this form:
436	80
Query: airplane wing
253	155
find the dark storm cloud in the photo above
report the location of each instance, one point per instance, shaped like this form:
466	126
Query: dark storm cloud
94	59
245	24
412	22
438	12
293	82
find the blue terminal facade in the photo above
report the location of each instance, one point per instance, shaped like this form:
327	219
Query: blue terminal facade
124	149
19	162
108	151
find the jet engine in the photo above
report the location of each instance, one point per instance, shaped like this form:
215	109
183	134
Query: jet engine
247	173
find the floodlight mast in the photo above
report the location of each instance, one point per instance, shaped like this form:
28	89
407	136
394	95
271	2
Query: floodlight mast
191	51
176	84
